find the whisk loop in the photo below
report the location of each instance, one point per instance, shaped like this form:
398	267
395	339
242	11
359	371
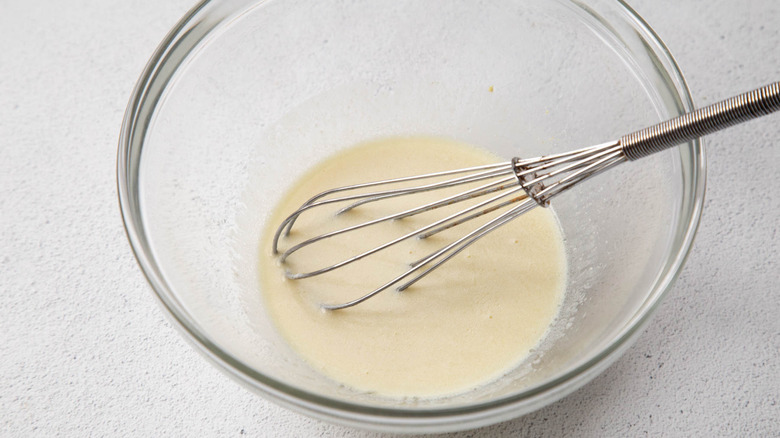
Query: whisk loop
509	189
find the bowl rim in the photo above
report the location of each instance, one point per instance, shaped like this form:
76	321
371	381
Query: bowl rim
190	30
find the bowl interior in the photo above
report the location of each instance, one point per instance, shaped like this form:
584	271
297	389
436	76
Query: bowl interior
253	94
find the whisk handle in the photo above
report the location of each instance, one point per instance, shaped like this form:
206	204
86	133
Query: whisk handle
707	120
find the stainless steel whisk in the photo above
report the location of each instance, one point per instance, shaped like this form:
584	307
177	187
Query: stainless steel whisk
524	182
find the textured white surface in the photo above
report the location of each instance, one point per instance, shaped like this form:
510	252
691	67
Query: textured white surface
85	350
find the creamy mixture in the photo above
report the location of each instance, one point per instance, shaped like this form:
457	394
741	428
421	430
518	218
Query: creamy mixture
469	322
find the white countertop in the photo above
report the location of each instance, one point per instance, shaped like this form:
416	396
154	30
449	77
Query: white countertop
86	350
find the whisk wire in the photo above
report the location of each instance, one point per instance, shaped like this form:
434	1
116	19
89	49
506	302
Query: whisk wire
419	189
376	249
476	192
462	243
459	245
316	201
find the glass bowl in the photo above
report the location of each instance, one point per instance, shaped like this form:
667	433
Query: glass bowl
243	96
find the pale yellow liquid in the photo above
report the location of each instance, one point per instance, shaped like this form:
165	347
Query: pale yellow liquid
469	322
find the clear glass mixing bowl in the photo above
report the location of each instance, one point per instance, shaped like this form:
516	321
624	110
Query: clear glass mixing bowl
243	95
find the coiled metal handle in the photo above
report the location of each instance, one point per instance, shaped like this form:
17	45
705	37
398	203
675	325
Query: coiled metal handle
703	121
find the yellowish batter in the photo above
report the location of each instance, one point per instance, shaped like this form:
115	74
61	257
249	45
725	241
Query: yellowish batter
466	324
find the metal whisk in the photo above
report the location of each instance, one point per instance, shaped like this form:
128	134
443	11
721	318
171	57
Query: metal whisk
521	183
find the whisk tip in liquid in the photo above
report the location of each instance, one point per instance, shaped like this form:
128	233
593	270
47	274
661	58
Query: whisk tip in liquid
512	188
